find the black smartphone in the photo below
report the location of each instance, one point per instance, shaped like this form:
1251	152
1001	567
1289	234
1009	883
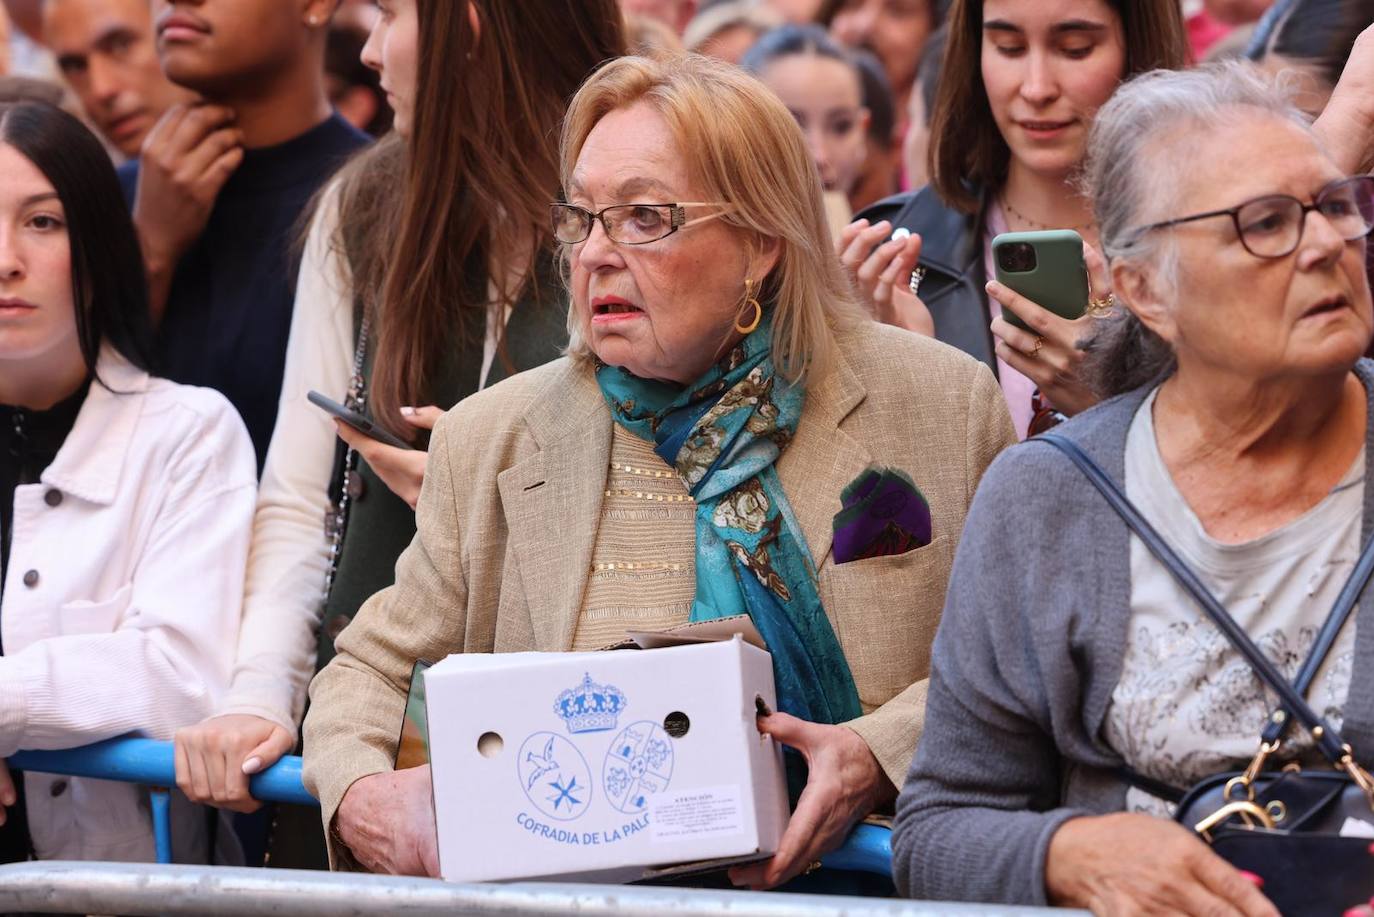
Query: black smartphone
363	425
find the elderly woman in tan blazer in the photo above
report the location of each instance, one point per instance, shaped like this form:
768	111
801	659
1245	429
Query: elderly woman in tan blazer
720	440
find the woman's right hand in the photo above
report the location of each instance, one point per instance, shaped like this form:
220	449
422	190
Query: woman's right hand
215	758
881	274
387	822
1139	864
402	470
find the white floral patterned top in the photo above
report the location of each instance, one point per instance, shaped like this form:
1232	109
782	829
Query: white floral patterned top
1187	705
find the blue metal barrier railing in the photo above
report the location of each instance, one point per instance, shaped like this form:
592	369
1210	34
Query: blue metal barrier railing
867	849
153	764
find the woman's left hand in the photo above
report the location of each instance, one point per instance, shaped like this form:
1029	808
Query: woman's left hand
844	785
880	270
1051	353
402	470
1346	125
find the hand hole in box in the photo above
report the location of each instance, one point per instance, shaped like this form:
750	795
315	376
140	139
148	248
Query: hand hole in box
676	724
490	744
761	706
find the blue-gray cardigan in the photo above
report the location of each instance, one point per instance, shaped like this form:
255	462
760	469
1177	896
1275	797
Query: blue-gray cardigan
1027	655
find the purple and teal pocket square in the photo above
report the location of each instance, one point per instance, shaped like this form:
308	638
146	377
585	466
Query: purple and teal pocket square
884	514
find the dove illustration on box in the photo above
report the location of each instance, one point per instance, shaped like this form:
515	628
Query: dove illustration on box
608	766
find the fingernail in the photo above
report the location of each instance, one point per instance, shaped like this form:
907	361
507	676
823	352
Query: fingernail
252	765
1252	879
408	411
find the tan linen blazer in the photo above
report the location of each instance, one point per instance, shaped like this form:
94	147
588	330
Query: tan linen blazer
512	497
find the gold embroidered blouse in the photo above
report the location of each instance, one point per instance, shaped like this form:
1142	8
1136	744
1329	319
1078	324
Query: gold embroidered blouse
643	573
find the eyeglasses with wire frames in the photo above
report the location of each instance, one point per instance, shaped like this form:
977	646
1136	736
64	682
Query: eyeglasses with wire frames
1272	226
628	224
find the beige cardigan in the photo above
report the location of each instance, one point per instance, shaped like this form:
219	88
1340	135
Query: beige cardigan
512	496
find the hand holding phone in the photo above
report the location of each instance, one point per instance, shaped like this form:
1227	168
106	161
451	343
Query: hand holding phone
1045	267
1046	319
359	422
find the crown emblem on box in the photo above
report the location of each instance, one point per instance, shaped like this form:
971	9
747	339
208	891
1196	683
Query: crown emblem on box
590	707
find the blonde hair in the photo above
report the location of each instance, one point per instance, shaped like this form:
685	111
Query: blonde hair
743	147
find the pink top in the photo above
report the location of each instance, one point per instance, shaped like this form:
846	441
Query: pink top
1204	32
1016	388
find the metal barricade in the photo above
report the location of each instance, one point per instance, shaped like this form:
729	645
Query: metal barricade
153	764
137	890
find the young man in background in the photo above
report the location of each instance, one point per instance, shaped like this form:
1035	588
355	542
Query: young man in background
220	189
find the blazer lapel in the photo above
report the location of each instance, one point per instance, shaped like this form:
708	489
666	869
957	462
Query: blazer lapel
823	459
552	502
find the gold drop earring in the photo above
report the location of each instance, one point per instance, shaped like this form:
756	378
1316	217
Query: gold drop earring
750	300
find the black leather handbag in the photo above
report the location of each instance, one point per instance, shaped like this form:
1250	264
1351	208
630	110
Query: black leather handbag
1292	828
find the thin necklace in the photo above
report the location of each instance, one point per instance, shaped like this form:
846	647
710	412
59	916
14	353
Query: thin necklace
1036	224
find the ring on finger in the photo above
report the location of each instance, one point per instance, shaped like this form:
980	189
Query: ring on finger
1038	346
914	284
811	867
1103	307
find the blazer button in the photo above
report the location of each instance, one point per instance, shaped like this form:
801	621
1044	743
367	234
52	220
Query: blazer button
31	578
53	498
335	626
57	789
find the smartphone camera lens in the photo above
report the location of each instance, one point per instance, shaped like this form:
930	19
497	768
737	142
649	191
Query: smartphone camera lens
1016	257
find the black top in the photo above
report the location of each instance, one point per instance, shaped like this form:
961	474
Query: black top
29	441
952	254
229	312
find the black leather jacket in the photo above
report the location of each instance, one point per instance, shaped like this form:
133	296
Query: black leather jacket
952	254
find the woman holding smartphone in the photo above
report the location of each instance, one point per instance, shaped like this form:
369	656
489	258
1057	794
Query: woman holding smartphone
126	506
428	273
1020	85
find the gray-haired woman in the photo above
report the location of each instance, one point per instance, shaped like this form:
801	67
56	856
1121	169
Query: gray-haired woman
1066	652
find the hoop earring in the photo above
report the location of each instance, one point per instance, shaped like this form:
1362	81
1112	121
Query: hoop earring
750	300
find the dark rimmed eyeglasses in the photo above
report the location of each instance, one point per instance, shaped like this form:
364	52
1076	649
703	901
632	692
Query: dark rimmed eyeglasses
628	224
1272	226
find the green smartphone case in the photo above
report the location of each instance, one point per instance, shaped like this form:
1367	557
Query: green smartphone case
1059	280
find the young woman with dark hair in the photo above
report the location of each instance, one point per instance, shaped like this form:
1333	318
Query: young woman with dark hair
894	30
1020	85
821	85
428	274
126	504
1314	38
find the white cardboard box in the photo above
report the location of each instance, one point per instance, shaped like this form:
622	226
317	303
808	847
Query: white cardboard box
606	766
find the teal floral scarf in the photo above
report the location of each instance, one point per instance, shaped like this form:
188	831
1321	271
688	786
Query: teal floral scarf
723	435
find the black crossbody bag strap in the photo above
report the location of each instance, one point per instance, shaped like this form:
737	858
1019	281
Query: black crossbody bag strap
1328	741
1326	638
